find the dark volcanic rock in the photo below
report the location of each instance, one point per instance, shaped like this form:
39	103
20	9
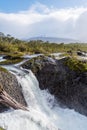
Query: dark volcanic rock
12	87
68	86
81	53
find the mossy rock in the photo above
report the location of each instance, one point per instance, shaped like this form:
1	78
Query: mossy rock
12	59
35	64
13	56
76	65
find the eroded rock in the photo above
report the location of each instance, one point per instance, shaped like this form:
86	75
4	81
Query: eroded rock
12	87
68	86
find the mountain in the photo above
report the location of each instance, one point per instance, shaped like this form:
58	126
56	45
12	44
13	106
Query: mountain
54	39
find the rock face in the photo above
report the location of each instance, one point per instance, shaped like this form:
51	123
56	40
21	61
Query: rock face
68	86
12	87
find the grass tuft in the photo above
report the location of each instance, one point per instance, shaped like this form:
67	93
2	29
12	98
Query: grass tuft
76	65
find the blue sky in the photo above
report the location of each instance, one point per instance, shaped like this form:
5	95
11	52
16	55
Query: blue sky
18	5
56	18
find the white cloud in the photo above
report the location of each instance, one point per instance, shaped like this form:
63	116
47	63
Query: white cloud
41	20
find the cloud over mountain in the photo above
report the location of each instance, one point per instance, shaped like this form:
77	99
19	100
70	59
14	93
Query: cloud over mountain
41	20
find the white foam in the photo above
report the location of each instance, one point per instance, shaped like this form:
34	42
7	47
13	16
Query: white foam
44	113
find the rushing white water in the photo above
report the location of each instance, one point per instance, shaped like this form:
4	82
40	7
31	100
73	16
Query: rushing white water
1	58
84	58
58	55
32	56
44	113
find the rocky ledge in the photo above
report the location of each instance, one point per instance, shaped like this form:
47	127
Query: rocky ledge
67	84
12	87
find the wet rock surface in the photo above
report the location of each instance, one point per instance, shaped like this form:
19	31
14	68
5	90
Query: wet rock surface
12	87
68	86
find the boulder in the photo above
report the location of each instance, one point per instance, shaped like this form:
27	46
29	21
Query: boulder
69	86
81	53
11	86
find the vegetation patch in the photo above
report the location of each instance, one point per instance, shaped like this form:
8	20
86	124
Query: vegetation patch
12	61
1	128
75	64
13	45
3	69
13	56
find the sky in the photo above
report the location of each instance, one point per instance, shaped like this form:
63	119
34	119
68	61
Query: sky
54	18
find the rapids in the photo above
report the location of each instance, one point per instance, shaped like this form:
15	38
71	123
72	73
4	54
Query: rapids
44	112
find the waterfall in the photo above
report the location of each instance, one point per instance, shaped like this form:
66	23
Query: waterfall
44	113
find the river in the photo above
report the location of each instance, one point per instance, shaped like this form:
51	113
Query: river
44	113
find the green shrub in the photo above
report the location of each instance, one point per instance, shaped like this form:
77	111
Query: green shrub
9	44
76	65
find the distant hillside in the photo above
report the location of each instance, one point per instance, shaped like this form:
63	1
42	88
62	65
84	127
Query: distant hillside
54	39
